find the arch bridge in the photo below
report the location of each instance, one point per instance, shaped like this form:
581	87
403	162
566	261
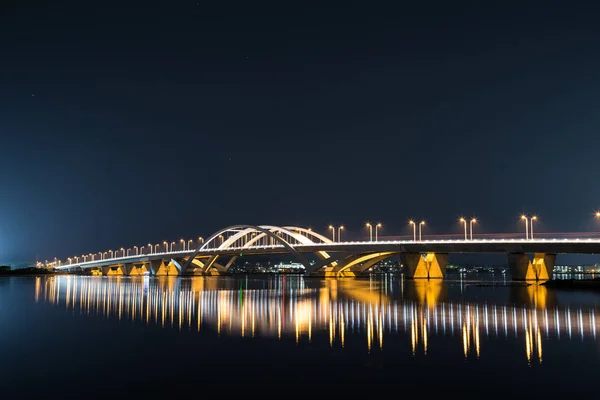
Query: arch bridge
528	259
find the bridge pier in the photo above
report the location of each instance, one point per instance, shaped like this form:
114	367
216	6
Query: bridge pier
524	269
172	268
113	270
424	266
136	269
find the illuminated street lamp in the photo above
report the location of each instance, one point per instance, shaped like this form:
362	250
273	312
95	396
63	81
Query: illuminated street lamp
524	218
149	248
411	222
112	253
464	221
182	244
420	226
70	260
200	239
597	214
340	229
368	225
332	229
190	244
376	228
156	247
166	246
534	218
172	244
473	221
123	250
137	250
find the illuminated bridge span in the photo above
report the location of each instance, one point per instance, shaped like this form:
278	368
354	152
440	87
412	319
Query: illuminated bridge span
302	312
527	258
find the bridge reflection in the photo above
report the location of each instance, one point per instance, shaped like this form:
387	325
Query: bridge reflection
336	309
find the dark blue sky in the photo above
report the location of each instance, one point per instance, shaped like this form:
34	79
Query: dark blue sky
123	125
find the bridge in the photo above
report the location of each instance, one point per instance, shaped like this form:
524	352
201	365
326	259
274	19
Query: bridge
528	259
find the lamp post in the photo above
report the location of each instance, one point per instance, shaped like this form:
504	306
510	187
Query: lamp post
200	239
156	247
150	248
123	252
368	225
420	225
340	229
172	244
182	244
473	221
524	218
137	250
111	253
411	222
464	221
376	228
534	218
166	246
190	244
332	229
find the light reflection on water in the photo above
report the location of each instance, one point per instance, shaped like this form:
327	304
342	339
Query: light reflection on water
374	310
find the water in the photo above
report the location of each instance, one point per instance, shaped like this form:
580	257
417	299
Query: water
69	336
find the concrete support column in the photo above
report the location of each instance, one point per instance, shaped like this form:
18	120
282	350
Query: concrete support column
524	269
127	269
428	266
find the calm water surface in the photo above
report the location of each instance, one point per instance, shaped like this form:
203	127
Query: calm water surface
69	336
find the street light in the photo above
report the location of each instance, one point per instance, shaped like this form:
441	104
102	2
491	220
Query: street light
534	218
137	250
172	244
524	218
190	244
150	248
182	244
377	227
166	246
368	225
200	239
332	229
340	229
420	225
411	222
473	221
464	221
123	250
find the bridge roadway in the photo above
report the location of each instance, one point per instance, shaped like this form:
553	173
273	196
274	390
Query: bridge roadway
421	259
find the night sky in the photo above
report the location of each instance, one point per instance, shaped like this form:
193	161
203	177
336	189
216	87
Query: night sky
123	125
